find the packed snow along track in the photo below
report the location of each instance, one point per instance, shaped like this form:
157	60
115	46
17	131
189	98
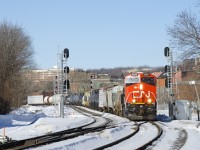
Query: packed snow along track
177	134
140	129
178	138
54	137
97	139
142	139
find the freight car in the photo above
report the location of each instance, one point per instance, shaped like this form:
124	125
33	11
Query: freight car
75	99
35	100
103	102
107	99
110	99
117	99
43	100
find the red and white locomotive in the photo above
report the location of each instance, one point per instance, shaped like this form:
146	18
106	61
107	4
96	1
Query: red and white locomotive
140	96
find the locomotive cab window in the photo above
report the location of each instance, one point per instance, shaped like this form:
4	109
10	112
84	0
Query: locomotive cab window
148	80
132	79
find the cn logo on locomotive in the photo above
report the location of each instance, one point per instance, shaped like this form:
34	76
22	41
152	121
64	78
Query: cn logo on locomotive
138	94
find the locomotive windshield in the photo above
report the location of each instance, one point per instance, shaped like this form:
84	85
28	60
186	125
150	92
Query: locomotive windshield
132	79
148	80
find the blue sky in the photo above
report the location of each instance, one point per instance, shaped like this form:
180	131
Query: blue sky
98	33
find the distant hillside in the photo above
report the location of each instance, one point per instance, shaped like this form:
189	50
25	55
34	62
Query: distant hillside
120	72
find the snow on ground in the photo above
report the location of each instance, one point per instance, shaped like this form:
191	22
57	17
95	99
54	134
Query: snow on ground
38	120
92	140
183	130
133	142
30	121
116	119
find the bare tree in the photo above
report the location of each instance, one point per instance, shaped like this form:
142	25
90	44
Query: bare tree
16	54
185	34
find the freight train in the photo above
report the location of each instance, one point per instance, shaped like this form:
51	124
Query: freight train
135	99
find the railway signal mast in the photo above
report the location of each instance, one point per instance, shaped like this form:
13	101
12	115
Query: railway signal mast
169	80
61	83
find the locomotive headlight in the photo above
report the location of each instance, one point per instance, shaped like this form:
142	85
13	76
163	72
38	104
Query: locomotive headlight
149	100
141	86
134	101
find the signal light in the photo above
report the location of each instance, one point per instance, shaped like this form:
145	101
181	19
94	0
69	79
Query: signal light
167	68
91	85
167	83
66	84
66	53
66	69
166	51
56	88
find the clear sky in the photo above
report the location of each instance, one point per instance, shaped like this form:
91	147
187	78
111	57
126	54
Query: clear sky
98	33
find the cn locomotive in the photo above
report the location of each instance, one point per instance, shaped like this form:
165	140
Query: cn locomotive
135	99
140	96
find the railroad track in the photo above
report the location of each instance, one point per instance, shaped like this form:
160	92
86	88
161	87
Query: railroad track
55	137
137	129
135	140
160	132
98	117
177	141
95	127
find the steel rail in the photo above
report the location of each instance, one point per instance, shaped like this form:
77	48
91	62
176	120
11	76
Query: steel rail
120	140
160	132
133	134
55	137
